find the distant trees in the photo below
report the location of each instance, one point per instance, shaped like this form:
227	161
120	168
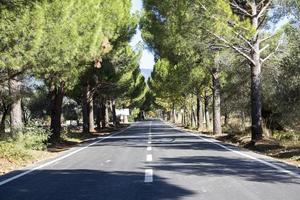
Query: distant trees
207	35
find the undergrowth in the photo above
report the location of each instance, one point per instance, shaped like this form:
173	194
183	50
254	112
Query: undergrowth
19	148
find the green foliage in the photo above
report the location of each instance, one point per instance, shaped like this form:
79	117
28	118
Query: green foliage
12	151
18	148
284	136
34	138
21	31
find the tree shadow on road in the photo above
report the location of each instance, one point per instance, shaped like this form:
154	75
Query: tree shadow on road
89	185
217	166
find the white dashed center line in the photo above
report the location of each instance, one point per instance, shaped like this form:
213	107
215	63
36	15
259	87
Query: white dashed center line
148	176
149	172
149	158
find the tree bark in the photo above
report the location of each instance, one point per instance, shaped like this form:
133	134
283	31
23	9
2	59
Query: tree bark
191	115
57	95
226	118
98	115
88	110
103	115
184	117
206	105
256	105
3	118
173	113
217	126
114	116
91	113
107	113
85	111
16	123
199	113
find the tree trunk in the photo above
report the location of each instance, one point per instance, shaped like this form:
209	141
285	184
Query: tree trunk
98	115
91	113
103	115
184	118
16	123
114	116
256	105
3	118
226	118
173	113
194	118
88	110
191	115
206	105
107	113
57	95
217	126
85	111
199	113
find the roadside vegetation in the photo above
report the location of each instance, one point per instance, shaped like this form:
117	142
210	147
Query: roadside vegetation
229	69
65	69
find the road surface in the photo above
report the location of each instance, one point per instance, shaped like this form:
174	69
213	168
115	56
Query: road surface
152	160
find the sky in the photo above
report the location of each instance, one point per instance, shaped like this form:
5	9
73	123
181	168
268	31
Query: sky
147	60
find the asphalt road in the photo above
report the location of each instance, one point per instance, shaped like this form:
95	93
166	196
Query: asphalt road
152	160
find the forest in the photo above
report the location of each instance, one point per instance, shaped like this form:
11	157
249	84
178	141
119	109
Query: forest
221	66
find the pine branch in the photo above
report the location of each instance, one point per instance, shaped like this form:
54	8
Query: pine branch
235	5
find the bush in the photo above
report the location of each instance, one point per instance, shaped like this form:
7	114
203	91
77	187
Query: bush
18	148
280	135
34	138
11	151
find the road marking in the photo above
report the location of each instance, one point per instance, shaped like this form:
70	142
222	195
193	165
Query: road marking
149	142
216	142
149	158
148	176
108	161
149	148
280	169
59	159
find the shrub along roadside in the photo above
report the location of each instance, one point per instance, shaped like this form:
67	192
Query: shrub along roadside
32	145
19	148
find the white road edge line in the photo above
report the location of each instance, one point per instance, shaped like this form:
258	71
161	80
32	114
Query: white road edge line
148	176
216	142
280	169
59	159
149	158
